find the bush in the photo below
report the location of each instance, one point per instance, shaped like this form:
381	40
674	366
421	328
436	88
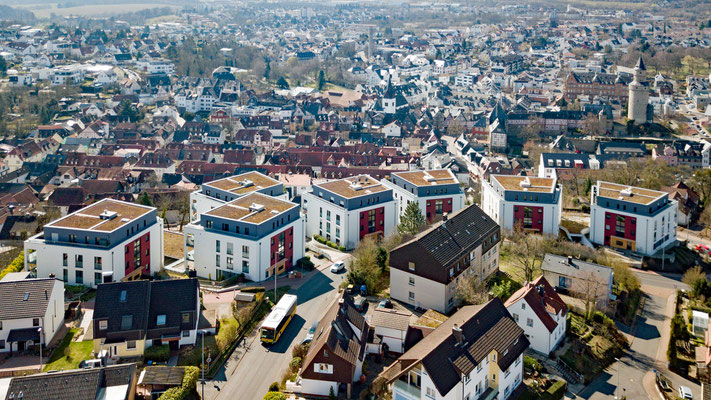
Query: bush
191	377
556	391
274	387
531	364
328	243
342	248
174	393
250	289
227	333
17	265
274	396
295	364
157	353
300	350
305	263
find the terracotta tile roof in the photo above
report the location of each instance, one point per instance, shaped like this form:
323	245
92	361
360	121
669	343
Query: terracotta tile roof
543	304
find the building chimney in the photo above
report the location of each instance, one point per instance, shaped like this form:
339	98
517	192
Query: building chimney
570	260
444	216
457	332
51	276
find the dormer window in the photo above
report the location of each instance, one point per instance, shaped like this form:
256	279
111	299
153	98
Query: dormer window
160	320
122	297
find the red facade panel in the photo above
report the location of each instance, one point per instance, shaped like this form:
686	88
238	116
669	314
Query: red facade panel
288	252
431	208
368	225
529	217
137	255
629	224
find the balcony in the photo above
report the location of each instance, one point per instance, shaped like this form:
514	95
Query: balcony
489	394
405	390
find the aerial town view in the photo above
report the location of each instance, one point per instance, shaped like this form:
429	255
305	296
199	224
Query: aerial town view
366	200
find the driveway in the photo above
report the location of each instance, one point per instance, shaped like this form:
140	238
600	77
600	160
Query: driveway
249	371
649	337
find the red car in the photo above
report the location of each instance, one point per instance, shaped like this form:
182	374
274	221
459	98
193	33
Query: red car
703	249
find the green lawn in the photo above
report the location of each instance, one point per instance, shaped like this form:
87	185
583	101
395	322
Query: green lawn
69	354
194	357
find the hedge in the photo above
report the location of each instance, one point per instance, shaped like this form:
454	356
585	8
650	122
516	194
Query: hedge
17	265
274	396
157	353
556	391
189	383
328	243
252	289
531	364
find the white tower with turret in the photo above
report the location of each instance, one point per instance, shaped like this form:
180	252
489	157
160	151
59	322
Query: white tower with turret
638	95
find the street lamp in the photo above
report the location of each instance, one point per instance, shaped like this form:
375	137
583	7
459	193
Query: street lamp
39	330
202	332
618	376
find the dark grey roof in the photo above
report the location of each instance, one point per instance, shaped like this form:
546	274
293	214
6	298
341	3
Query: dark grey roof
144	301
78	384
168	376
571	267
13	293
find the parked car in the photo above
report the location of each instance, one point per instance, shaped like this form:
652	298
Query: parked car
685	393
310	335
338	266
385	303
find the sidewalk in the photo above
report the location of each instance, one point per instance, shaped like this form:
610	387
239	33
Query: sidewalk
214	385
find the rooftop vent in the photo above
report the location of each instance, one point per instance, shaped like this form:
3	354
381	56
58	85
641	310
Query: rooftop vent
356	186
429	178
526	183
627	192
247	183
108	214
255	207
457	332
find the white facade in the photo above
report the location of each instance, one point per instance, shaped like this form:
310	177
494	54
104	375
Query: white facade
485	375
638	99
542	340
50	322
338	224
500	210
81	258
424	293
237	254
404	197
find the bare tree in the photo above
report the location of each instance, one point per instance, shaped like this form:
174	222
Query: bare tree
526	252
591	288
470	290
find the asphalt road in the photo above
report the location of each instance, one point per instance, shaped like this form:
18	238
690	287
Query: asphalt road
625	377
250	373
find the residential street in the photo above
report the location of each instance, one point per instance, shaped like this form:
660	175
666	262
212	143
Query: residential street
649	337
248	376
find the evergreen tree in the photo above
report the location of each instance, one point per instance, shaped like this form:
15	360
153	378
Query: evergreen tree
143	199
321	80
282	83
3	66
412	221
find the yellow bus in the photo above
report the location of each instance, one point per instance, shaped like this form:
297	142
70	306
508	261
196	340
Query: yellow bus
278	319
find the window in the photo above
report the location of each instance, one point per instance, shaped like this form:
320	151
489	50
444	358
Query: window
160	320
2	344
126	322
245	251
523	306
35	322
0	325
411	295
122	298
565	282
515	317
65	259
229	262
529	322
431	392
411	266
131	344
72	238
97	262
186	333
217	260
338	220
230	249
79	277
217	246
208	224
245	266
328	215
479	368
97	278
185	317
103	325
412	281
527	217
79	261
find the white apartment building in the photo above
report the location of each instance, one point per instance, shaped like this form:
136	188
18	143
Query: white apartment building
632	218
534	204
251	235
345	211
108	240
436	192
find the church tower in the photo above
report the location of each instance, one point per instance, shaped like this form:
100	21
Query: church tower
638	95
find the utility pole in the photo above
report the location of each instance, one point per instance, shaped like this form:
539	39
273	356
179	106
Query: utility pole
40	346
202	332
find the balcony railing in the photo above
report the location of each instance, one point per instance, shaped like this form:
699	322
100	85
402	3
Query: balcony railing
410	391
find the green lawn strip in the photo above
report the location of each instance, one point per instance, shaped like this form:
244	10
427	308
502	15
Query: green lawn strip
69	354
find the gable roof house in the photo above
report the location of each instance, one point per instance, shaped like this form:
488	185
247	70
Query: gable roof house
476	353
572	276
134	315
541	313
425	270
337	351
32	312
116	382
